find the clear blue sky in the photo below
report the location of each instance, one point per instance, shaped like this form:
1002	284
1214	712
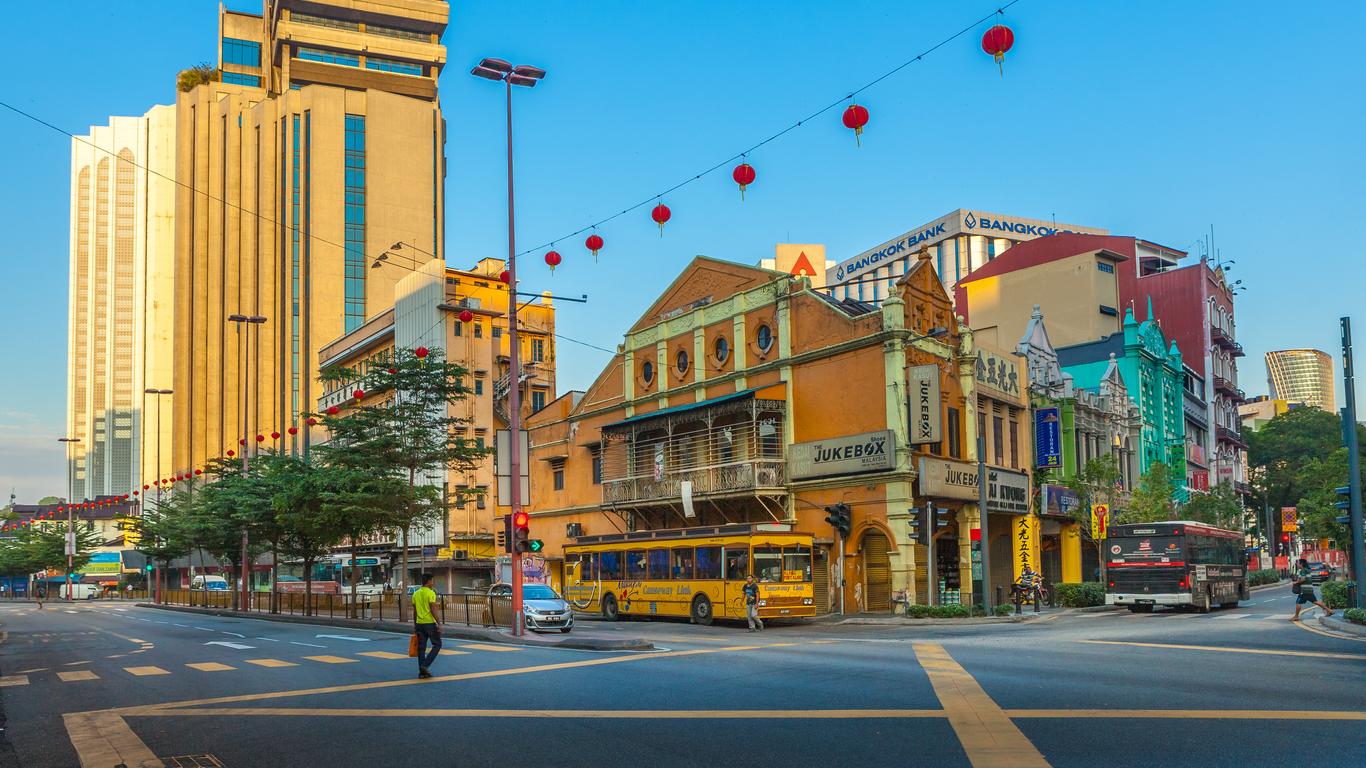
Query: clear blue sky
1155	119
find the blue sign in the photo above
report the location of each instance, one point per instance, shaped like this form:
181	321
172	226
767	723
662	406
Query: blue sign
1048	438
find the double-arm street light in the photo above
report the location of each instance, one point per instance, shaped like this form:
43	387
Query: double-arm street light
70	489
158	394
509	75
253	322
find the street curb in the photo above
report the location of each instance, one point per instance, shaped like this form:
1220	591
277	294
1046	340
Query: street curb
1095	608
1342	625
447	630
1261	587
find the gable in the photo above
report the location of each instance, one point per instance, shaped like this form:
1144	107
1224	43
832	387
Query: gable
702	282
927	303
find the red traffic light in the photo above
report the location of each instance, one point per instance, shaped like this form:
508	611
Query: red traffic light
1285	537
521	520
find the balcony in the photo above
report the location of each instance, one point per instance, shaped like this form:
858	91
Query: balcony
1227	387
728	448
1232	436
1223	339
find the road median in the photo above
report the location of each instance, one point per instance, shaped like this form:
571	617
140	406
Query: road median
479	634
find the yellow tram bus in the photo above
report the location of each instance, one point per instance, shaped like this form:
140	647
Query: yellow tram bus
693	572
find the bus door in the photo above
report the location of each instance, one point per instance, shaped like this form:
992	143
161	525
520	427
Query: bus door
736	560
582	587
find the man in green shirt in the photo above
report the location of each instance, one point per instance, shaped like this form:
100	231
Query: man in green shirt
425	627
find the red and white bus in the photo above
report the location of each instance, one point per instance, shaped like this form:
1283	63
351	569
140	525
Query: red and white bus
1180	564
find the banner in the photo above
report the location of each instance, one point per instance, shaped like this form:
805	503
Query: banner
867	452
1058	500
925	405
1100	520
1025	544
1290	519
1048	438
102	563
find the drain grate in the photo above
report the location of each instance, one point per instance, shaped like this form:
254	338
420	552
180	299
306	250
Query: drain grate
193	761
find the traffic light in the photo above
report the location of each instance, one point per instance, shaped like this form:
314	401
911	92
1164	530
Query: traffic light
521	533
1345	491
149	567
504	537
941	518
536	545
838	517
919	523
1285	543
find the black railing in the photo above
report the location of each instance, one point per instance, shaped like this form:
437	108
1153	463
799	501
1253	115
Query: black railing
469	609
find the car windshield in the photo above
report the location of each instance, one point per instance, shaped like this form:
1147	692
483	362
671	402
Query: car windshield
538	592
1316	566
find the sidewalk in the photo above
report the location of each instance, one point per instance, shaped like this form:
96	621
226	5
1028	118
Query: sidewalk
1339	624
576	640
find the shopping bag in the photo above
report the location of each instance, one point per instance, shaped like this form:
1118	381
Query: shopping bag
412	646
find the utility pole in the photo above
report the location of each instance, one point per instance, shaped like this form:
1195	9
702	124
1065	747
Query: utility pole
70	530
1349	433
982	515
251	321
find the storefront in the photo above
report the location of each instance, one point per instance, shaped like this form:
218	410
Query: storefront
953	485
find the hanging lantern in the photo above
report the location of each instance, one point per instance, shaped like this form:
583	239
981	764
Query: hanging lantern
333	410
199	472
312	422
855	117
997	41
294	430
744	176
242	441
158	482
358	394
146	487
393	371
274	435
552	260
466	315
421	352
231	454
594	244
661	214
506	276
135	493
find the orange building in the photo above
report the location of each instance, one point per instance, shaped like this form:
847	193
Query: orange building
740	396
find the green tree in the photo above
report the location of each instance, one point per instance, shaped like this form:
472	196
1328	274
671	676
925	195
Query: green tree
1152	499
1098	482
229	505
45	547
189	79
162	533
1221	507
1297	460
51	500
300	488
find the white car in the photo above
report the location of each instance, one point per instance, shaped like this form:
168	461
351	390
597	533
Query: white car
544	610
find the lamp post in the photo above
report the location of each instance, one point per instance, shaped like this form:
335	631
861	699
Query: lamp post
525	76
247	442
158	393
70	487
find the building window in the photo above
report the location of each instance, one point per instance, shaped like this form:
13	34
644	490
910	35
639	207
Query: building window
722	349
481	500
1015	444
953	428
478	329
237	78
537	350
1111	311
537	400
647	371
1105	266
998	440
497	331
597	466
243	53
479	442
403	34
557	473
459	328
389	65
355	222
478	386
681	360
322	21
764	338
327	57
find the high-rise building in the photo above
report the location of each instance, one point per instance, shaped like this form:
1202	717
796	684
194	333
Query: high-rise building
1301	375
122	239
321	147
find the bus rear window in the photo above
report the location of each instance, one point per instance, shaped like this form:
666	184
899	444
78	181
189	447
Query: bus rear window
1145	549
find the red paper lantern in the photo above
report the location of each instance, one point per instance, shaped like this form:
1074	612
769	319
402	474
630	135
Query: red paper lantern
333	410
997	41
135	493
855	117
744	176
552	260
661	214
260	438
242	441
146	488
125	497
231	454
158	482
506	276
312	421
358	394
393	371
421	352
294	430
594	244
199	471
274	435
466	315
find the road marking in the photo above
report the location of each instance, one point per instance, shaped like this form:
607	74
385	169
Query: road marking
71	677
604	714
1325	633
210	666
1261	651
103	739
205	629
310	645
76	663
1195	714
346	637
145	671
9	680
384	655
234	634
268	639
331	659
271	663
70	611
488	647
35	669
230	644
1228	616
987	734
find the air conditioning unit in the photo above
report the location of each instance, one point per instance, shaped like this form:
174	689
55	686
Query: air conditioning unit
460	554
573	530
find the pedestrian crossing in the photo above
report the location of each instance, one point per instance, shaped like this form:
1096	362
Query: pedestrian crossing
150	670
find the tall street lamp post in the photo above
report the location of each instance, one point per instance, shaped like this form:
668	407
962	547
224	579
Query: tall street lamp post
70	488
156	572
253	322
525	76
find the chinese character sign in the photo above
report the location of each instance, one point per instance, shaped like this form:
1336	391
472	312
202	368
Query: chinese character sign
1025	544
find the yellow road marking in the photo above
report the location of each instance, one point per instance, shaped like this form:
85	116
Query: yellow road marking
103	739
988	736
152	708
1195	714
71	677
1325	633
488	647
598	714
1260	651
9	680
210	666
271	663
145	671
384	655
331	659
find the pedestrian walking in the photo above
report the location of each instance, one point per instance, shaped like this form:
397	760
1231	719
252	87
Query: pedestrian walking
425	626
752	604
1304	590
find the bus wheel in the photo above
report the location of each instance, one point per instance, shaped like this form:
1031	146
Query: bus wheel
701	610
1141	608
609	607
1233	604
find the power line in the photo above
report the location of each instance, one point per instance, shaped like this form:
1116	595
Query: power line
741	154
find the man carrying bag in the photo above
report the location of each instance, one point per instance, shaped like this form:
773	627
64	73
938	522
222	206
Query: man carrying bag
425	628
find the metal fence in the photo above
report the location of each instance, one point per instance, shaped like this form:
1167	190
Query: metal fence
469	609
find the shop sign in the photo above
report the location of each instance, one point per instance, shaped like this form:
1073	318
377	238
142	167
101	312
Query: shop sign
1290	519
1100	520
1007	490
104	563
867	452
1200	480
999	374
1025	543
925	405
1058	500
1048	438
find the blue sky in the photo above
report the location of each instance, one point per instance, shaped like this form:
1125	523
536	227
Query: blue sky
1156	119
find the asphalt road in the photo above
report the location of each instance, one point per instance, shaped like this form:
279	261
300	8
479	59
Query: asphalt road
101	684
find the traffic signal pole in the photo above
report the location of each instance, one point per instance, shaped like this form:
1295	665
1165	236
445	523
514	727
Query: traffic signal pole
514	387
1349	432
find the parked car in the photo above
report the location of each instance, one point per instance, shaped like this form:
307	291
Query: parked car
543	609
209	584
1320	572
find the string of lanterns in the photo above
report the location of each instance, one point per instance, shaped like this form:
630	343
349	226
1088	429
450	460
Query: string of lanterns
996	42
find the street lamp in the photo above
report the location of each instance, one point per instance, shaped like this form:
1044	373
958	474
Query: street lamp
158	393
525	76
253	322
70	494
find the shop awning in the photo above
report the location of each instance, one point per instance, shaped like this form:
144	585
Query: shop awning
671	410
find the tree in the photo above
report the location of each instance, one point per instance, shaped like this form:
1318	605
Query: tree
1098	482
410	435
301	486
1299	459
195	76
227	506
1221	507
51	500
162	532
1152	500
45	547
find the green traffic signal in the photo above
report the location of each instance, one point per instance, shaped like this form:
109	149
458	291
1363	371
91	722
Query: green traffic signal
149	567
537	545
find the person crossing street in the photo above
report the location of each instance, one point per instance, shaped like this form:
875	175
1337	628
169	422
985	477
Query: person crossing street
425	626
752	605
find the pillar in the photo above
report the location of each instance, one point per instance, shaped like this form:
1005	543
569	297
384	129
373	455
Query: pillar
1070	541
967	521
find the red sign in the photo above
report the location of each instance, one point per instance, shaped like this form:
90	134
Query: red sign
975	535
1200	480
